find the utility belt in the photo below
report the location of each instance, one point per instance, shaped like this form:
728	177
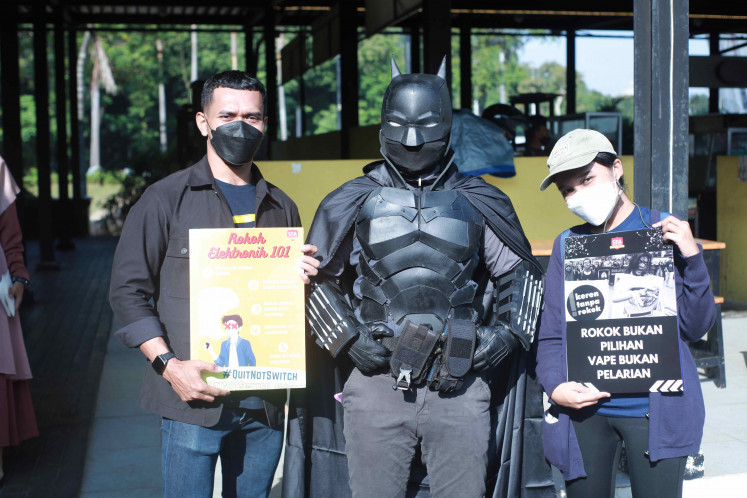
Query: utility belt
439	357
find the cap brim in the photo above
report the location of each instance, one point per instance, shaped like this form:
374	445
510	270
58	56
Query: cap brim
574	163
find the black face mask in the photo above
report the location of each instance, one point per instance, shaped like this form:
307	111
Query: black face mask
236	142
414	159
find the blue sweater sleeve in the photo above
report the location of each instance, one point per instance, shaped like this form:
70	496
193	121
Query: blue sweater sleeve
551	366
695	307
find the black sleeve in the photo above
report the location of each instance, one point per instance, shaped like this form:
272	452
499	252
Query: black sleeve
136	269
499	258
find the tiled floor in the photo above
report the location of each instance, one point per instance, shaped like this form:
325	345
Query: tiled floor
124	445
725	433
66	327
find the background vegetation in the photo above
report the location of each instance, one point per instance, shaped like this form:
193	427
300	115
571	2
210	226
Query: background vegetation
130	119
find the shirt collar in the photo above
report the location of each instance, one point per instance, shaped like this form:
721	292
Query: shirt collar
202	176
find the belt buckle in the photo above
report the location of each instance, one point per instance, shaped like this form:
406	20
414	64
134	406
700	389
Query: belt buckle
403	381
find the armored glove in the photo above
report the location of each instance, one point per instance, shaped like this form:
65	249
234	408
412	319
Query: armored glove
494	343
368	354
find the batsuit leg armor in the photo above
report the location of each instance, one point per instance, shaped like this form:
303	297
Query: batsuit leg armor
419	251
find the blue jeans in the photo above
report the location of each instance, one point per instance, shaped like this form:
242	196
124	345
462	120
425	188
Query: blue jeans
249	451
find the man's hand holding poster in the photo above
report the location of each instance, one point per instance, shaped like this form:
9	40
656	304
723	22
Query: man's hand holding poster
621	312
246	306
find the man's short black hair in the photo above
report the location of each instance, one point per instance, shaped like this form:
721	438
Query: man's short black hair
235	318
236	80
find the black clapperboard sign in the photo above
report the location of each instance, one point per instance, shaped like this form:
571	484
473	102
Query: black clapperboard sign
621	312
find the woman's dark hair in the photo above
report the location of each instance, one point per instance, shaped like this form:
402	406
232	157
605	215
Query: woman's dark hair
608	159
236	80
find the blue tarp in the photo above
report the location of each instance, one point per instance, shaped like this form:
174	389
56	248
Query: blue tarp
480	146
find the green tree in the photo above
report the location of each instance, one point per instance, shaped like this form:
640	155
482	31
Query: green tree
489	74
130	126
698	105
374	72
321	98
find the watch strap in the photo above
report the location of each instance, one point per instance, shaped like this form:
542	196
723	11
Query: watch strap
160	361
24	281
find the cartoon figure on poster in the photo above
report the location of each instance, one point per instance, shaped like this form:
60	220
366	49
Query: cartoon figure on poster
235	351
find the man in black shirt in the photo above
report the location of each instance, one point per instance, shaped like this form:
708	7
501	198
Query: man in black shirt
224	189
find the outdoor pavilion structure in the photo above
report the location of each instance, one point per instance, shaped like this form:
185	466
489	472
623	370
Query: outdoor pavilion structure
661	31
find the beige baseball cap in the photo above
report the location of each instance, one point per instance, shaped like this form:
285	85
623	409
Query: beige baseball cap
575	149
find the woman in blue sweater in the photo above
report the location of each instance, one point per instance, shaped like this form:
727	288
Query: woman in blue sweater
584	429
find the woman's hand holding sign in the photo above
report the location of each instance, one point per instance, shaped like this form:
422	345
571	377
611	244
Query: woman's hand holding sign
678	233
576	396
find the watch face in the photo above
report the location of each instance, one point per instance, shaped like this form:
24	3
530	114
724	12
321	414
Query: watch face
159	362
158	365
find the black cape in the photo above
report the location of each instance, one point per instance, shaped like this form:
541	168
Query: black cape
315	463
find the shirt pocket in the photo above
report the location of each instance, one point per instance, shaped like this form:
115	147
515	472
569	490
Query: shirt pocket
175	270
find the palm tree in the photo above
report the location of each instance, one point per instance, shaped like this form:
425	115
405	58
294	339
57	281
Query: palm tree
100	76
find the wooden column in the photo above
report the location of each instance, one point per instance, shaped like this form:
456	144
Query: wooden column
570	74
465	65
437	36
271	83
11	90
661	104
41	97
348	73
75	130
65	211
713	93
250	58
415	43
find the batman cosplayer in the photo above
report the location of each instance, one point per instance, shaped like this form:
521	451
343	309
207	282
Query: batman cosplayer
422	319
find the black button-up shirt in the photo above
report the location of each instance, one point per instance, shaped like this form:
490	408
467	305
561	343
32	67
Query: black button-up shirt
151	265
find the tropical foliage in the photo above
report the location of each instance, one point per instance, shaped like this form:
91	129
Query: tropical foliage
130	118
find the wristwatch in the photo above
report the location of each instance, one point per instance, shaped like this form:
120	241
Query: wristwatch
160	361
24	281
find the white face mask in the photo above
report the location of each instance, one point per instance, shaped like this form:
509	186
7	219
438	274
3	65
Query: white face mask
595	204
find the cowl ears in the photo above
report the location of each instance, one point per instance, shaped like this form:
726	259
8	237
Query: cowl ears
441	70
395	69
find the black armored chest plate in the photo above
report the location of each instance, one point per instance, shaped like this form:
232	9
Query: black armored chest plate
419	251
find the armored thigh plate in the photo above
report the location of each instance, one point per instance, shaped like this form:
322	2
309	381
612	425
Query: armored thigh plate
419	251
